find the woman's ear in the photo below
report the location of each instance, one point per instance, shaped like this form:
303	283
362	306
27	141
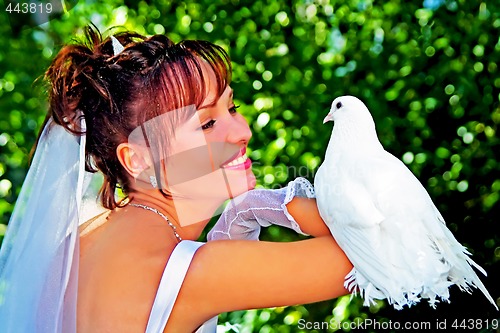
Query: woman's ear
134	159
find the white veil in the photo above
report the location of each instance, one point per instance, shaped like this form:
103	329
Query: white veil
39	254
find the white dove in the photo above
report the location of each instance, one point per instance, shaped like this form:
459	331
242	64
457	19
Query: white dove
384	220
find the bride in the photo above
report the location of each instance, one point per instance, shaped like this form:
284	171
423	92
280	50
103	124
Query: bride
158	120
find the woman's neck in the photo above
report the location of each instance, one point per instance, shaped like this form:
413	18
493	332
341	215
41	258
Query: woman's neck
190	216
351	134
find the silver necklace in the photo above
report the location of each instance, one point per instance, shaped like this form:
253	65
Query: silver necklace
154	210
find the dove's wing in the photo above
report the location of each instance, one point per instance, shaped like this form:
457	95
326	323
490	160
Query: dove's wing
347	208
388	226
373	215
445	258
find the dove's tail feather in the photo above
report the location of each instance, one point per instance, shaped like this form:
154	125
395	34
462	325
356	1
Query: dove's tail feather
461	273
445	263
356	283
466	278
478	284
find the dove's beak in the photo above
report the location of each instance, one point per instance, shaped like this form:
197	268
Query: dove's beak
328	118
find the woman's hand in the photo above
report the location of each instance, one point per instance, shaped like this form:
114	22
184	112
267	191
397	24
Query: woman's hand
292	207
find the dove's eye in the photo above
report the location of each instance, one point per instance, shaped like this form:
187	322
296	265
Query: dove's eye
339	105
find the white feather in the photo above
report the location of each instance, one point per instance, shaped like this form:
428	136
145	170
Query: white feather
384	220
117	46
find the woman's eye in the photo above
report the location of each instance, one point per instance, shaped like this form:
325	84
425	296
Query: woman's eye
208	125
233	109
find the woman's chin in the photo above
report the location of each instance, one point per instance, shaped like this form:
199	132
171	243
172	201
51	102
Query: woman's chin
242	184
251	181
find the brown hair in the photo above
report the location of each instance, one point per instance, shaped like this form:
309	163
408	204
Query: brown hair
117	93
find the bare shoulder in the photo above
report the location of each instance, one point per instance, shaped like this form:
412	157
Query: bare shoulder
93	223
121	264
233	275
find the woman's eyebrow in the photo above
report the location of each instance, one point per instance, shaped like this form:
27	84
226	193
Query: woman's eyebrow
208	105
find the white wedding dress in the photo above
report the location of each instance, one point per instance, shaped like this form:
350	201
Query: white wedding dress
170	284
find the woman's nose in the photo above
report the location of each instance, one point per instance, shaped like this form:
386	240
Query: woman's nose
238	132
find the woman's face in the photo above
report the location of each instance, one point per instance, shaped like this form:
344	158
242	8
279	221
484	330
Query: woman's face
206	160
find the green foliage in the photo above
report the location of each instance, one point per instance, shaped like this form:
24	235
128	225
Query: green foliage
429	75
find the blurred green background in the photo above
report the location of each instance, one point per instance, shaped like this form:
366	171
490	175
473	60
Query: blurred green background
428	71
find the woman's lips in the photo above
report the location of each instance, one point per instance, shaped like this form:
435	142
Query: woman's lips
239	162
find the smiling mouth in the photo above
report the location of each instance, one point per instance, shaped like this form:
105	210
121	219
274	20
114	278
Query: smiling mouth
237	161
240	159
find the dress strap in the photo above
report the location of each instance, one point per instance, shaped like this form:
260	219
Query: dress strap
170	284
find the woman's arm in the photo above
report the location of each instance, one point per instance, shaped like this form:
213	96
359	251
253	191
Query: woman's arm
233	275
306	214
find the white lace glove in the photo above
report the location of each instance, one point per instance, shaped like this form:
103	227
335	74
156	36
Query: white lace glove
244	216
